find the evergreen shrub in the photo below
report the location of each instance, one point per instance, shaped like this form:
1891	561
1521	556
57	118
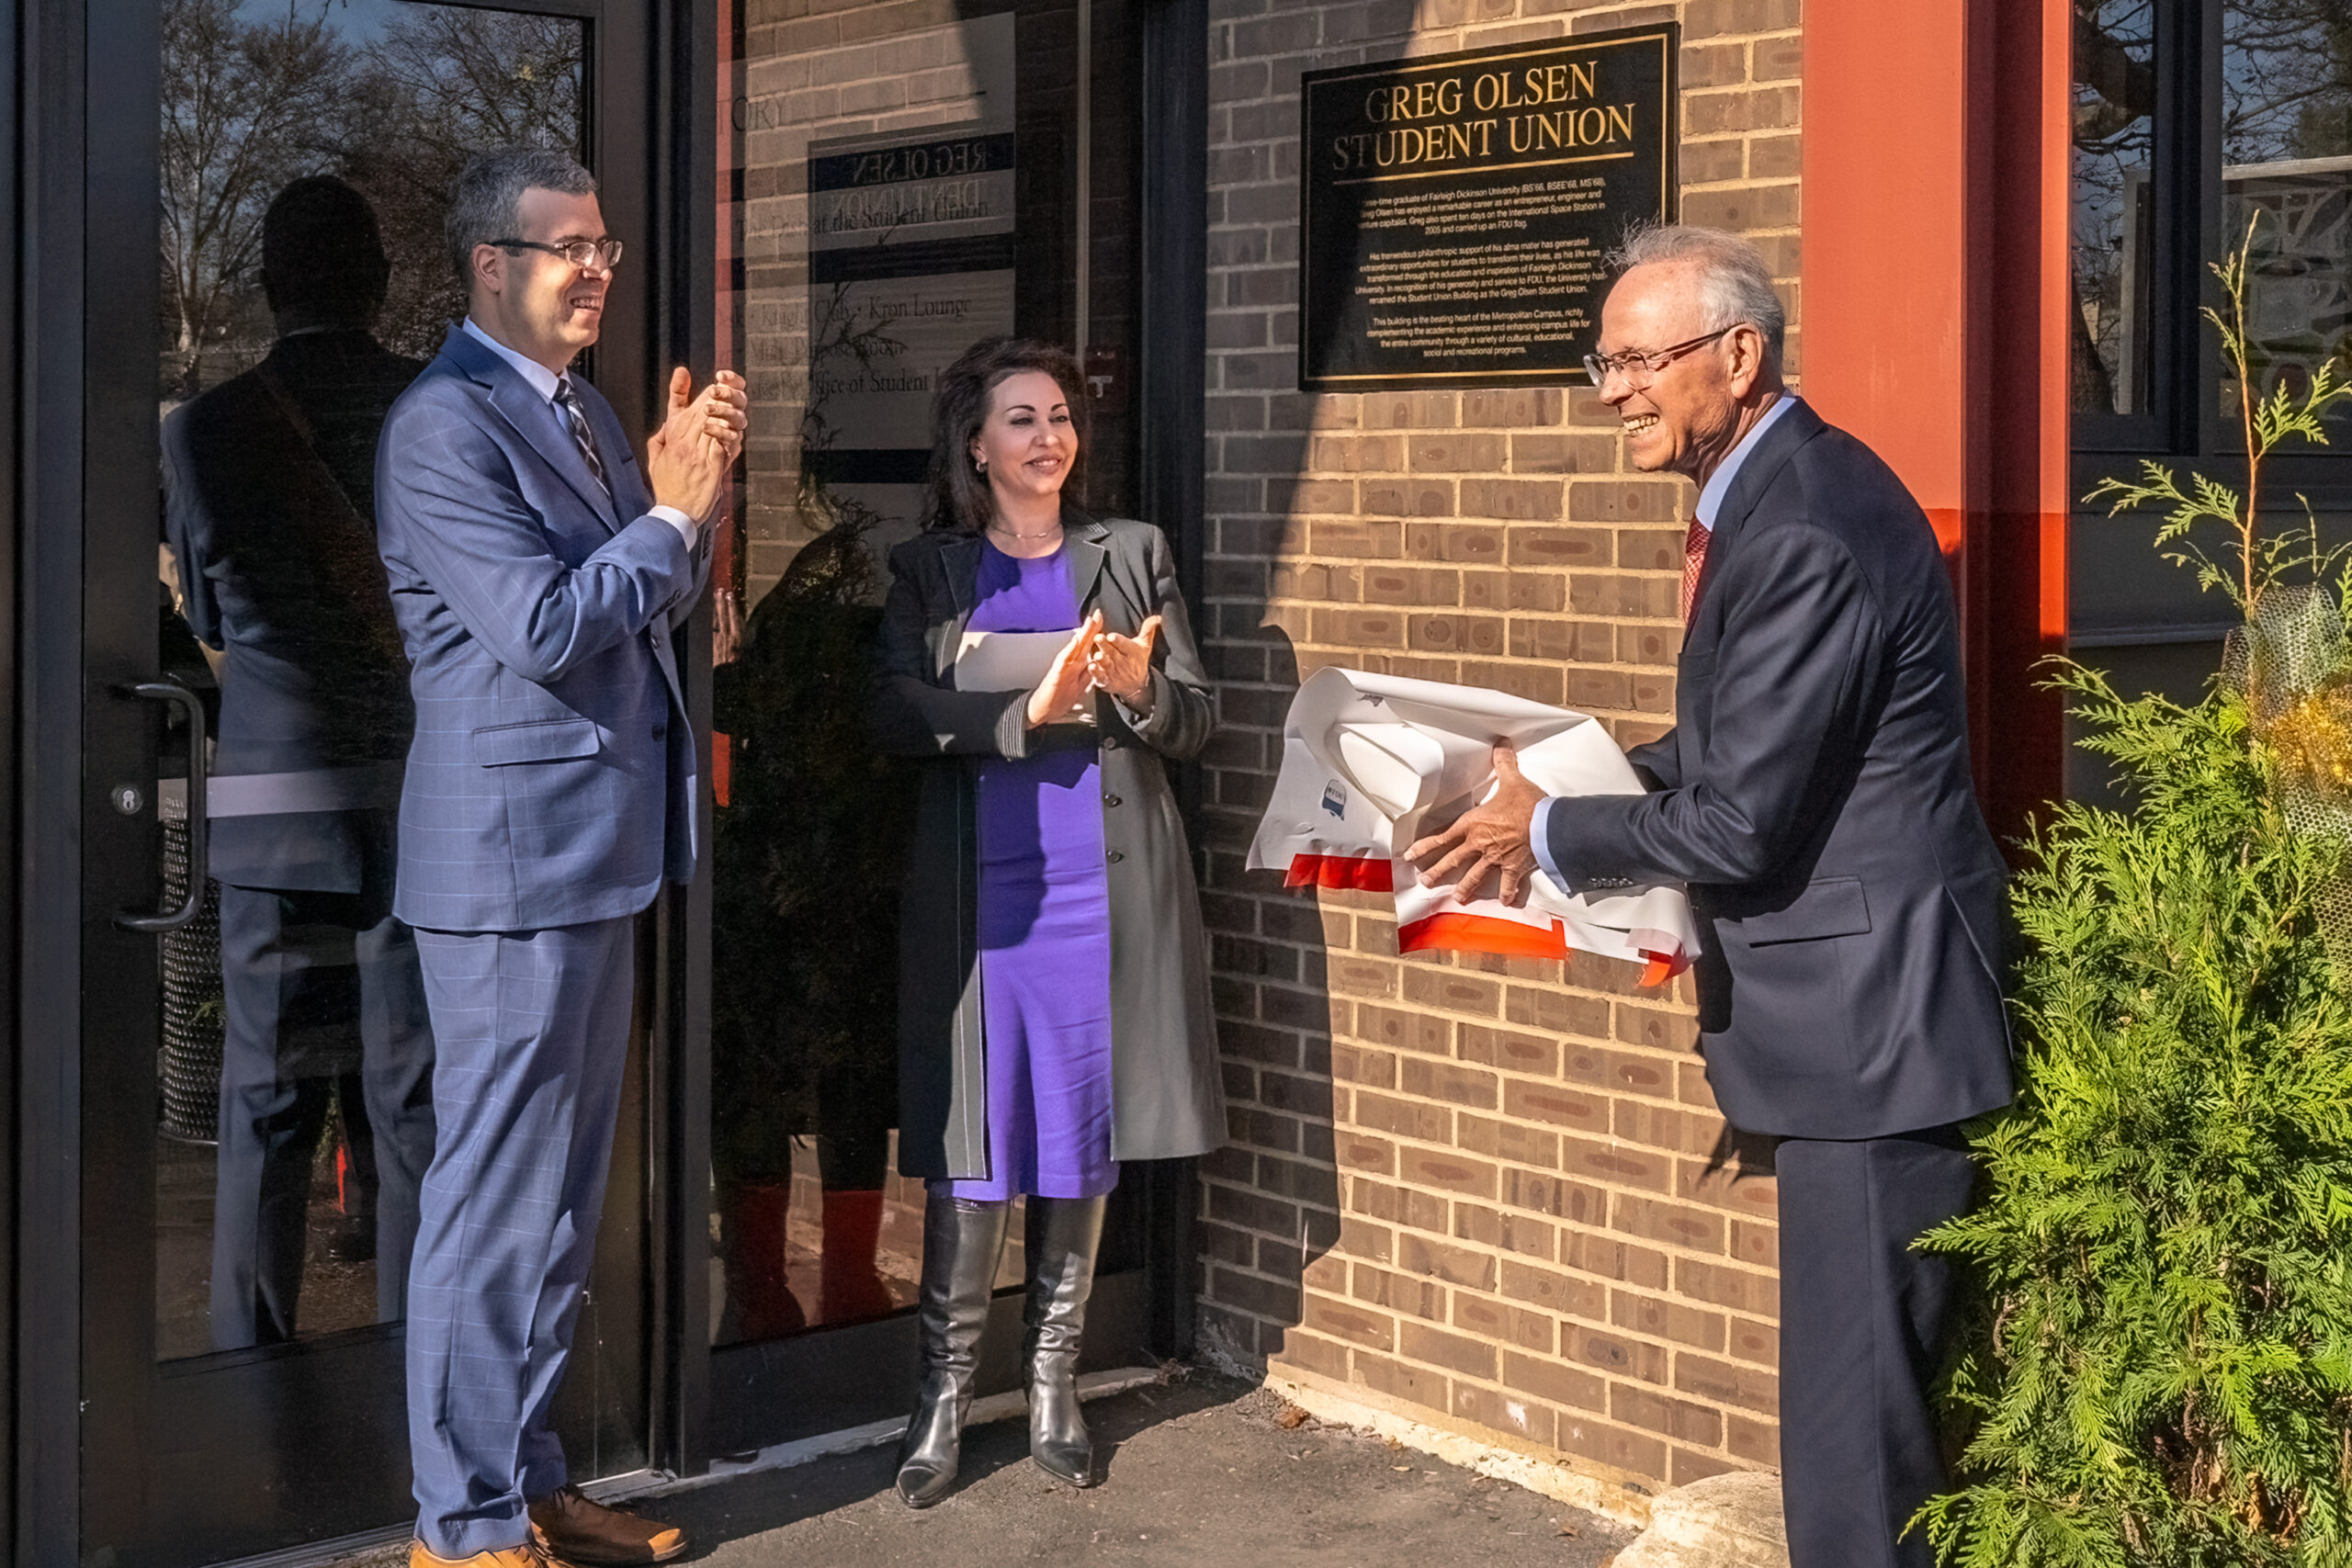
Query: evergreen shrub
2159	1368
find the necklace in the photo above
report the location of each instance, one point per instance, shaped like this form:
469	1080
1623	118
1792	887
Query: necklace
1024	539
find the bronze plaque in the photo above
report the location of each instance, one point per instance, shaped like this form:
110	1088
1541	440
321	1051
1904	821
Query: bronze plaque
1455	210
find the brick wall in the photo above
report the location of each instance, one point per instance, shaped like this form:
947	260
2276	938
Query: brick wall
1491	1194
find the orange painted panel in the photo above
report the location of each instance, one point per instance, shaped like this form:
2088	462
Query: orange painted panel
1934	317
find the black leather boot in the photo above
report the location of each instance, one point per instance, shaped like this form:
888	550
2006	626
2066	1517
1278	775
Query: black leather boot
962	1240
1064	1234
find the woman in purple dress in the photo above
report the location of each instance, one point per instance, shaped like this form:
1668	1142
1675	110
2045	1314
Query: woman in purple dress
1054	1010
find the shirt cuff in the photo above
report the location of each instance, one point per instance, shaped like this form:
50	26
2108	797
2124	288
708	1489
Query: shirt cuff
685	526
1539	838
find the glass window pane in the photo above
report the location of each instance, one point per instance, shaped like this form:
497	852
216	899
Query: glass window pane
2114	219
870	242
2287	174
308	152
896	183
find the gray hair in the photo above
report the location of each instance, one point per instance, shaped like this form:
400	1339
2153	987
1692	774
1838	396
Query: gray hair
1735	281
486	207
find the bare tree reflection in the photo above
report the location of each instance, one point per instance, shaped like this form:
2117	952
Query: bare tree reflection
254	98
247	108
440	86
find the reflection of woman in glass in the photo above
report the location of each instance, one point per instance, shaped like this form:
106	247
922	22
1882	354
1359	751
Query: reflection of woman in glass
1054	1012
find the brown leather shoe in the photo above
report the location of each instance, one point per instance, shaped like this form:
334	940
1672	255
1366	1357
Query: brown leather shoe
568	1527
527	1555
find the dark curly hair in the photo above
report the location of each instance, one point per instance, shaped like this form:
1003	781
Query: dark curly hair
959	492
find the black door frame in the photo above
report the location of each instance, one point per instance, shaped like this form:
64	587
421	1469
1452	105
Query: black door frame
67	287
82	290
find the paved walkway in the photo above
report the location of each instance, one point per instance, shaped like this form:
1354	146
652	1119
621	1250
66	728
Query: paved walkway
1198	1473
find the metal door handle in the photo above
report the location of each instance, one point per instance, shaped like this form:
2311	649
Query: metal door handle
170	691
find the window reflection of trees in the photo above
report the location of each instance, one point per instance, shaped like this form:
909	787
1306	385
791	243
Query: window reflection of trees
2113	130
2286	134
254	98
2285	80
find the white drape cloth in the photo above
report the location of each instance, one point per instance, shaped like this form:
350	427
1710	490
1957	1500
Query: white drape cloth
1373	762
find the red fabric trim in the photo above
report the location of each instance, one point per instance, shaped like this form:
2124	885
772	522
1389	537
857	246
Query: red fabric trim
1481	933
1364	874
1484	933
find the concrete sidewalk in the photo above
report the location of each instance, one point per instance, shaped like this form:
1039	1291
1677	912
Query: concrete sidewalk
1197	1472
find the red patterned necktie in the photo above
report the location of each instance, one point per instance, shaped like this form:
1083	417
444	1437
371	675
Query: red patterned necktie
1695	557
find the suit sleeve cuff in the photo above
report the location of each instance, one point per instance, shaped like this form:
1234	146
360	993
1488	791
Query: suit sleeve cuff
688	530
1539	838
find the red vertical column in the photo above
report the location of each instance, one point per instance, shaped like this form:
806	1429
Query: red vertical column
1934	287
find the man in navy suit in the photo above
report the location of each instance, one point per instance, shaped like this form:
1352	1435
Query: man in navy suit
538	573
1815	796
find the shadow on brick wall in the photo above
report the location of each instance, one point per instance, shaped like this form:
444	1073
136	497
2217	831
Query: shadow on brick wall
1271	1203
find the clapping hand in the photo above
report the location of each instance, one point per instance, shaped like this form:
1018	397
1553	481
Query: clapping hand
1122	665
688	458
1068	679
722	412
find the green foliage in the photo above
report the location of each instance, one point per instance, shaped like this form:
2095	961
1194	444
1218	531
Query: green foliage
2160	1372
2266	421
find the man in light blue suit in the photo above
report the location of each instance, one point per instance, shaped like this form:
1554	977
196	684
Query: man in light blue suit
538	573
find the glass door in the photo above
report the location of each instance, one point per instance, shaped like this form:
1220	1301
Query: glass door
268	275
894	183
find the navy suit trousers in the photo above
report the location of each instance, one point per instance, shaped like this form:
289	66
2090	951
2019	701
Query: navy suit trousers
1862	1319
532	1031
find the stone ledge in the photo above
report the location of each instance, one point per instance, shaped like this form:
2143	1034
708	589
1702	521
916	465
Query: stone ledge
1723	1521
1613	1493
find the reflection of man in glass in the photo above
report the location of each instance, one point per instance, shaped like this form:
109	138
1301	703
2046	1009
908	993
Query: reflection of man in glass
270	508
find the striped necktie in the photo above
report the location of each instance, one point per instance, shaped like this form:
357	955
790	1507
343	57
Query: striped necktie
575	413
1694	559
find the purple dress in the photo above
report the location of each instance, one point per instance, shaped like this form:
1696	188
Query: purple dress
1044	932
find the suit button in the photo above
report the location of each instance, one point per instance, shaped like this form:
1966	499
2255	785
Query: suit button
1110	743
1110	800
1114	858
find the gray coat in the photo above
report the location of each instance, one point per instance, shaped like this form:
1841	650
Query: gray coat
1167	1096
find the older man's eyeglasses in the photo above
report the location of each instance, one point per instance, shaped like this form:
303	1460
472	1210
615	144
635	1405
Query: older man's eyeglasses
581	253
1640	366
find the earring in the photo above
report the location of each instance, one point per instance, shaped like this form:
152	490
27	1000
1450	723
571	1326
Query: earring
980	465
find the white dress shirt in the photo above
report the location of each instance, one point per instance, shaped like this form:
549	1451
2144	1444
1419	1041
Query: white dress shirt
546	382
1710	502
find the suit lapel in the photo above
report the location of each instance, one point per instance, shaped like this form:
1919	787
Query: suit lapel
1756	472
959	562
1087	554
535	419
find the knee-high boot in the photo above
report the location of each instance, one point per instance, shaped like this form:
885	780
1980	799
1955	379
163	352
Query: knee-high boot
1064	1234
962	1239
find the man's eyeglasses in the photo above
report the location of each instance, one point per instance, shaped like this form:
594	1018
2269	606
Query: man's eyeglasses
581	253
1640	367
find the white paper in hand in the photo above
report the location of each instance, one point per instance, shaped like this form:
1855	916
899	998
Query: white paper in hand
1005	661
1373	762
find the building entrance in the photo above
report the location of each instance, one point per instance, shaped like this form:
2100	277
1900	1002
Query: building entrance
257	1107
231	267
